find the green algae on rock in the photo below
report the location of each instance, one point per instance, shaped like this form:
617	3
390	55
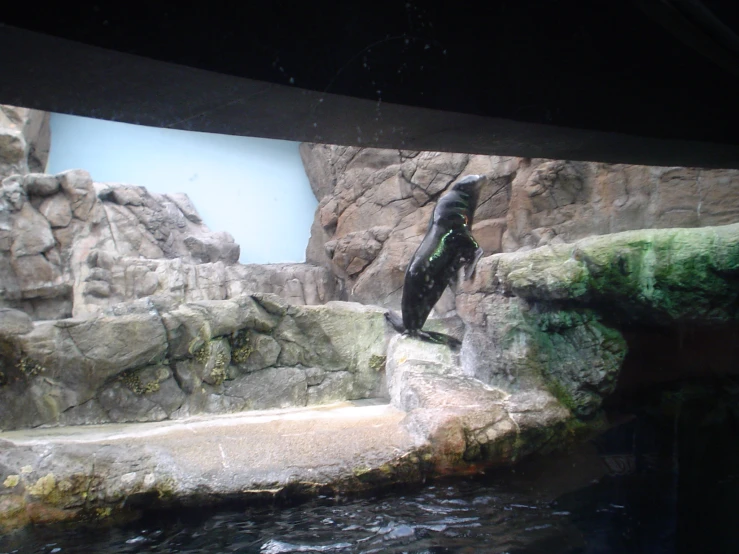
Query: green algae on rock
650	275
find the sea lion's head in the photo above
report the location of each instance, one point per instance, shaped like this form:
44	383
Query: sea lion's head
458	205
470	186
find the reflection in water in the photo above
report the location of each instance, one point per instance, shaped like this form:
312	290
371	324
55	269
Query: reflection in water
666	480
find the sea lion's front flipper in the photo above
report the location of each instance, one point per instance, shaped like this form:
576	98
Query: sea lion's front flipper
469	269
395	320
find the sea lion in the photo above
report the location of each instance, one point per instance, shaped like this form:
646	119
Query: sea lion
447	246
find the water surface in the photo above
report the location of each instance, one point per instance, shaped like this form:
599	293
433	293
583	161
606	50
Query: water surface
663	480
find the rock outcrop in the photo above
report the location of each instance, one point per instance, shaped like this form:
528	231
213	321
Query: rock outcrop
138	363
439	422
72	247
25	138
374	206
543	348
119	306
560	313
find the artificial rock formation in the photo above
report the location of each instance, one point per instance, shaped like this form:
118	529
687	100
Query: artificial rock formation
374	206
24	140
72	247
171	338
557	316
212	356
543	348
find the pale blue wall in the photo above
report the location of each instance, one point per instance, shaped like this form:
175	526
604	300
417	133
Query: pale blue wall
254	188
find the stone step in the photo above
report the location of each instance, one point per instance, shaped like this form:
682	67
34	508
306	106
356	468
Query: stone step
58	473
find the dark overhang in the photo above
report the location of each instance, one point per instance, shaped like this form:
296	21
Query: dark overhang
642	81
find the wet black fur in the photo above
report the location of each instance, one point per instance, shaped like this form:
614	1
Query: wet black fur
447	247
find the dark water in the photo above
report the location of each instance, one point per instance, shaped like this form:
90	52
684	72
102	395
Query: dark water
666	479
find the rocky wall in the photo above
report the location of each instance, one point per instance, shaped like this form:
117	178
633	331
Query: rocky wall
72	247
374	206
145	363
562	317
25	137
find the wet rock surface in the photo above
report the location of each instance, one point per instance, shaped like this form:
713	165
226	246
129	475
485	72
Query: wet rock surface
560	314
99	472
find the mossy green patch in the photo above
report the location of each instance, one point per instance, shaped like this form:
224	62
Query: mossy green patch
377	363
650	274
559	391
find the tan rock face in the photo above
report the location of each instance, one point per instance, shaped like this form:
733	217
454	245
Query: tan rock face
374	209
528	203
69	246
24	140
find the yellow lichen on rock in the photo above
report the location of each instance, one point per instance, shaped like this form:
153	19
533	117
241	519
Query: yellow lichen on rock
30	367
44	487
202	353
241	347
218	373
12	481
133	382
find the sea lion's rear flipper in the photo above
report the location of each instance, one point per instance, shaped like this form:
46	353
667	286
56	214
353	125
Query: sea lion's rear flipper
395	320
439	338
469	269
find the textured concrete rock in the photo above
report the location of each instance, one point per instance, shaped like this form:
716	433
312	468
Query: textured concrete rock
24	140
549	317
528	203
219	248
11	193
539	356
338	336
40	184
140	362
462	419
84	247
374	207
57	210
667	275
521	348
149	394
14	322
332	387
31	233
275	387
37	277
98	473
263	352
182	201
